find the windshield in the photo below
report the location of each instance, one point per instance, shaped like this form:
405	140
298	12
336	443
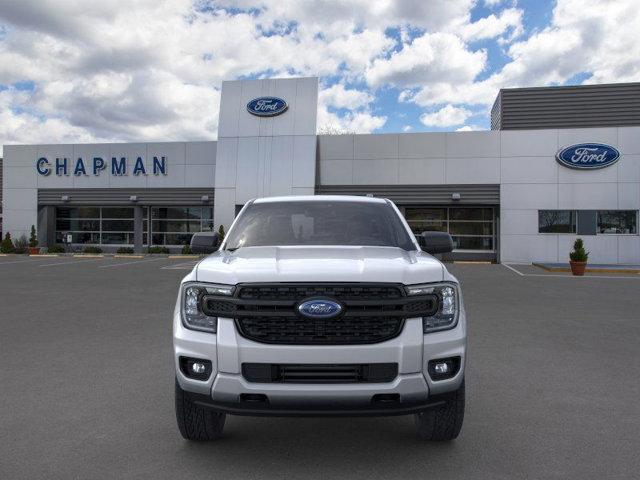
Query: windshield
319	223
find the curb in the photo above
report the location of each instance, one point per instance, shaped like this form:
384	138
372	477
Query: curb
122	255
174	257
589	270
88	255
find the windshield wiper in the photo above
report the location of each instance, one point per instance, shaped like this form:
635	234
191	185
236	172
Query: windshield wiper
232	249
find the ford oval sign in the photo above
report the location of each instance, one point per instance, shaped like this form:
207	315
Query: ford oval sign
588	156
267	106
320	308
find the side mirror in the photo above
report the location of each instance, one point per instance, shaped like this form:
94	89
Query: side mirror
437	242
205	242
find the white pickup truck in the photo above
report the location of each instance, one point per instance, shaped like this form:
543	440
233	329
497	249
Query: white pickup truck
320	305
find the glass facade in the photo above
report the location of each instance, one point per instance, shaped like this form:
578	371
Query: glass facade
95	225
556	221
176	225
588	222
618	221
169	226
472	228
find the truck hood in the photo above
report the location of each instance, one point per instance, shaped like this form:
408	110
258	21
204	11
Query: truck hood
319	264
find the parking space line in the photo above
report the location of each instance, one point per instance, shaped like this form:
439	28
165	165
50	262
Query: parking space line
31	259
180	266
513	269
70	262
130	263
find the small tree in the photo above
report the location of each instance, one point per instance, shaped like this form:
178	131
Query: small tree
579	254
20	245
33	239
7	244
221	232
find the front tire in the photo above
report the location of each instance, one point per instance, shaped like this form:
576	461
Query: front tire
196	422
443	423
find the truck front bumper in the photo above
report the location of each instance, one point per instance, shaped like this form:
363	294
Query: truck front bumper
411	391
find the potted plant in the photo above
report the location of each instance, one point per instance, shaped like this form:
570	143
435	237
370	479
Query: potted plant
33	242
578	258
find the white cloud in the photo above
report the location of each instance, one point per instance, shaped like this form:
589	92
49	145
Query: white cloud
432	57
338	96
509	20
407	128
469	128
151	69
447	116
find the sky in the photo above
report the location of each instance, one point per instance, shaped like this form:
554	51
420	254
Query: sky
77	71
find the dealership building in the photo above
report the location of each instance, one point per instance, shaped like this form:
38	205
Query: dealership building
559	163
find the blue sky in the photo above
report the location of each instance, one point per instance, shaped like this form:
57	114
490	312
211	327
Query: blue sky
77	71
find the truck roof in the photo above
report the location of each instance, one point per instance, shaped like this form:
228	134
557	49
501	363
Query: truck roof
319	198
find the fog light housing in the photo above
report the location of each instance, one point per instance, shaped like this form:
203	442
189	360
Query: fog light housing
195	368
443	368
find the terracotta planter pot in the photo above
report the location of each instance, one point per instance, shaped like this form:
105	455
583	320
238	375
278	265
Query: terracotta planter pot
578	268
34	250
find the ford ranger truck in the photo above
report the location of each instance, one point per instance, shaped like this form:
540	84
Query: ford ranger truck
320	305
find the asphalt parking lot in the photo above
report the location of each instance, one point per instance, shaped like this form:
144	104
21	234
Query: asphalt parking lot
87	384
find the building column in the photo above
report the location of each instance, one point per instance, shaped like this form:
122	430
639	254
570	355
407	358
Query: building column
46	228
138	228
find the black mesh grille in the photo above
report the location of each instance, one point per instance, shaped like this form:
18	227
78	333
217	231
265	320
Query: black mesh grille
371	312
339	292
297	330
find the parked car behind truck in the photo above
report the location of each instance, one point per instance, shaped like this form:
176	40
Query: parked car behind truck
320	305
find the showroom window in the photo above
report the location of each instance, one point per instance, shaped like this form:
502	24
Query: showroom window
471	228
557	221
618	221
96	225
176	225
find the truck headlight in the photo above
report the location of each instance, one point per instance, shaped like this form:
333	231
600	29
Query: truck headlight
191	305
448	305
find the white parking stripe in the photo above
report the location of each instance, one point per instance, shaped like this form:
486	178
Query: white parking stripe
180	266
513	270
22	261
70	262
130	263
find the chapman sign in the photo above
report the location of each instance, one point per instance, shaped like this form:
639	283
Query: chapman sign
588	156
267	106
96	165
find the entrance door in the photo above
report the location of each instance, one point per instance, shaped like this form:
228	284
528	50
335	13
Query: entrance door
471	227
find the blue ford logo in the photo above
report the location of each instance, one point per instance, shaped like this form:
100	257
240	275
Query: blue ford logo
588	156
267	106
320	308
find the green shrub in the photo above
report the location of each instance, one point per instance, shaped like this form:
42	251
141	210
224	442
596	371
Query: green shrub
579	254
92	249
7	244
186	250
124	250
33	238
158	249
56	249
21	244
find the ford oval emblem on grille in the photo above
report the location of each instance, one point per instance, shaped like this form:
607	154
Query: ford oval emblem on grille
320	308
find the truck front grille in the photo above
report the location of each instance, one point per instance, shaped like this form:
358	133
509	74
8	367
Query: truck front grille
372	312
320	373
305	331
